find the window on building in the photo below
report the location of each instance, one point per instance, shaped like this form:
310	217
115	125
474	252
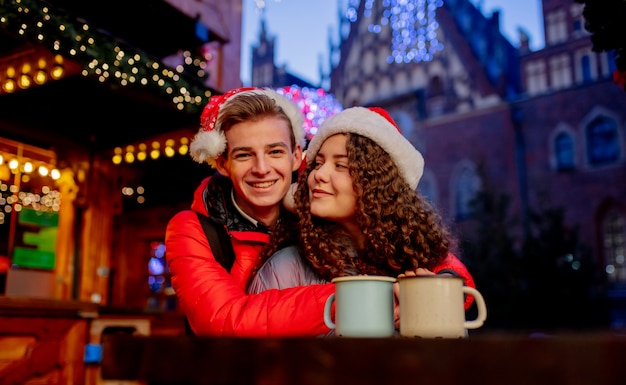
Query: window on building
578	20
435	86
556	27
602	141
560	72
466	189
564	151
428	188
578	26
536	81
585	69
614	244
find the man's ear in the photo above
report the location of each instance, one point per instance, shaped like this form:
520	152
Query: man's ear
220	164
297	157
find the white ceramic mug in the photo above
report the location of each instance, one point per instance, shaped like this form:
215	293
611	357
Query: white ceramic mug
364	306
432	306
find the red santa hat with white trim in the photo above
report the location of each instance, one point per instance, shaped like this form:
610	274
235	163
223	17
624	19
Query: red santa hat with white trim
210	141
376	124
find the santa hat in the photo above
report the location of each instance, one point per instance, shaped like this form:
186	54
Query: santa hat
376	124
210	141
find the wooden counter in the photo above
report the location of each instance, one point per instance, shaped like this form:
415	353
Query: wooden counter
587	359
44	341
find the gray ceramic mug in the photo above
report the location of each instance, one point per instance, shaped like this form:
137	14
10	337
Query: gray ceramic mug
364	306
432	306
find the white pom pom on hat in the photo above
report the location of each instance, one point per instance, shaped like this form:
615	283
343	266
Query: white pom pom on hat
210	141
376	124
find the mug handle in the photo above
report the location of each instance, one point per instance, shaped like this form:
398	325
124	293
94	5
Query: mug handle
482	309
327	311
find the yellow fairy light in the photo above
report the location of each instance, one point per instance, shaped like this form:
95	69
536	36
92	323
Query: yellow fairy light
55	174
13	164
117	159
57	72
9	86
43	170
28	167
40	77
24	81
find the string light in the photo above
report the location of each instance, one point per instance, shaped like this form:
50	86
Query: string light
98	53
413	27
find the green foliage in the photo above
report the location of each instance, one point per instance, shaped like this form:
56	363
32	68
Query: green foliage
605	21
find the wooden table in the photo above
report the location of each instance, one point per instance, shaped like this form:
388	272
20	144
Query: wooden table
500	359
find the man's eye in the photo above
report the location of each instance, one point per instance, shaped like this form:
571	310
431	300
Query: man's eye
241	155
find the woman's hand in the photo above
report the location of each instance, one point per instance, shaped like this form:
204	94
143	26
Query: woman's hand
416	272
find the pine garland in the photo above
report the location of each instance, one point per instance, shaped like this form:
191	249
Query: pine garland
101	55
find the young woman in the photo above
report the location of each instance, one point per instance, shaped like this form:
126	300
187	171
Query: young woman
358	211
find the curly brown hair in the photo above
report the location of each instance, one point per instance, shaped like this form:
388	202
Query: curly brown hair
402	230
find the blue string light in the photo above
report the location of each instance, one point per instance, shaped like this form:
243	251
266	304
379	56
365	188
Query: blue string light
413	27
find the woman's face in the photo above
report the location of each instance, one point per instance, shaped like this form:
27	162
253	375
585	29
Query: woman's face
330	184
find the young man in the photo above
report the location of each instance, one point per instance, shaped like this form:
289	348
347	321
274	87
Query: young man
254	138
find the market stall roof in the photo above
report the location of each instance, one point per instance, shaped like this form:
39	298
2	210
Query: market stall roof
154	25
83	109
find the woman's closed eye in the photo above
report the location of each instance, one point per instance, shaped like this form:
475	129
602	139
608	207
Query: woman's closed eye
317	164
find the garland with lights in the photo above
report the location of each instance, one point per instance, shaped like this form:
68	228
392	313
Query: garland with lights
100	54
